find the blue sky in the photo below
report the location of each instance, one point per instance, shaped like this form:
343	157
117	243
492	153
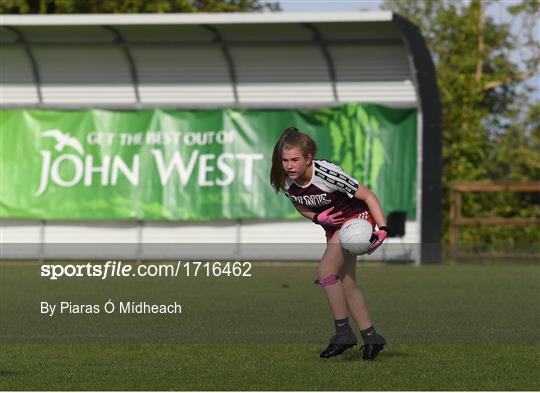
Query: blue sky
329	6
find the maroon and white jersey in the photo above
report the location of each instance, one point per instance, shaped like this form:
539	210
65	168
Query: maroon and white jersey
329	186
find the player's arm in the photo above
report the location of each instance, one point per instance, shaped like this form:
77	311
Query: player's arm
374	206
375	209
327	217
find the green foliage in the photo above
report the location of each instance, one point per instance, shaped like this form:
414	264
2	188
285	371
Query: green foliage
131	6
518	147
491	119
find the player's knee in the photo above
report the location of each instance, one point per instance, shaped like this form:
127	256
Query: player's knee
327	280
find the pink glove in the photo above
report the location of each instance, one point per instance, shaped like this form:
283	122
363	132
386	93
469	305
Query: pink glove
325	218
380	235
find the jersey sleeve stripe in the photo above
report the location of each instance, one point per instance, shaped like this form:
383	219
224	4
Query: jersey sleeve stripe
350	181
345	187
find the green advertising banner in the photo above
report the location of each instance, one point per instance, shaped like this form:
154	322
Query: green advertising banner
190	164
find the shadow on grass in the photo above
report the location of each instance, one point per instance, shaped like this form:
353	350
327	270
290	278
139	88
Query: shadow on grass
357	356
395	354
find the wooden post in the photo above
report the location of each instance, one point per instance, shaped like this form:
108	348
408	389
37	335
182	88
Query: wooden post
455	214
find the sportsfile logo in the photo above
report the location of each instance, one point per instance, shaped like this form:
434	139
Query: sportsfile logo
73	166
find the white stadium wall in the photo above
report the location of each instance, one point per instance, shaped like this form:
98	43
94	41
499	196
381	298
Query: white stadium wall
274	64
201	61
241	237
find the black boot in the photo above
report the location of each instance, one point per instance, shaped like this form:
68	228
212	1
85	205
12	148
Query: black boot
339	344
372	347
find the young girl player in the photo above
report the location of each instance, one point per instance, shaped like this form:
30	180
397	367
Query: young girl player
325	194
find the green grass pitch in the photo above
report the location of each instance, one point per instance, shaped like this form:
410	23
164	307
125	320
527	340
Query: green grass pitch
460	327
